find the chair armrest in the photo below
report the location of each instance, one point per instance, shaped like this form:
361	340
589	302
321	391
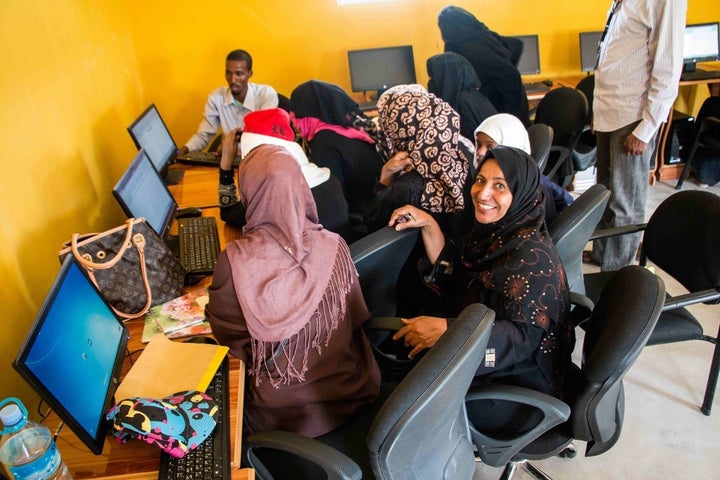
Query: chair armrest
564	155
497	452
391	355
583	308
335	464
679	301
615	231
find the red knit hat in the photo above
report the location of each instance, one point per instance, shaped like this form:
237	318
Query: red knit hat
272	122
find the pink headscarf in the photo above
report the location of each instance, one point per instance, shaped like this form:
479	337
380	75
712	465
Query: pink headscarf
309	126
289	273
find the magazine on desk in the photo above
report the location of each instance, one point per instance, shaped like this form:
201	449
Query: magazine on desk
181	317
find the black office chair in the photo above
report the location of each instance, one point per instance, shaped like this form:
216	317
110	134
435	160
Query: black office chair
572	229
706	138
593	406
541	137
419	432
681	238
378	258
565	110
585	152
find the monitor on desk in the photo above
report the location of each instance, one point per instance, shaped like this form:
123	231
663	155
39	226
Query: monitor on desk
529	63
73	354
701	43
141	193
377	69
589	43
149	131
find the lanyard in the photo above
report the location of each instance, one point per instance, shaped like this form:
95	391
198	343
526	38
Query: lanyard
614	8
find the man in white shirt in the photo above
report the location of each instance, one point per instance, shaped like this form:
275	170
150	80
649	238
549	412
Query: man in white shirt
226	107
636	81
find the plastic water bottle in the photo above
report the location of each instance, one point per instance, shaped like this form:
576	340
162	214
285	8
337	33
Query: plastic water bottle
27	449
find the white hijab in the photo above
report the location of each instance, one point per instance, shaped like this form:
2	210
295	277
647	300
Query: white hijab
313	174
506	130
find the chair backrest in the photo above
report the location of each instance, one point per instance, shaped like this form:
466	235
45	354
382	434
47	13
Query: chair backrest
621	323
541	137
378	258
587	87
565	110
571	231
682	238
421	430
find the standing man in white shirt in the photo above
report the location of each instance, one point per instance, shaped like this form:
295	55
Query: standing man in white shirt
226	107
636	82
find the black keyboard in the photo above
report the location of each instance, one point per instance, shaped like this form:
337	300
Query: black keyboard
198	244
206	159
211	459
369	105
700	75
536	87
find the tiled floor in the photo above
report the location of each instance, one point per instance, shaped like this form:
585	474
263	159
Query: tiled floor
664	433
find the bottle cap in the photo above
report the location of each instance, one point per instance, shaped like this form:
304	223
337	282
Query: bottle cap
10	415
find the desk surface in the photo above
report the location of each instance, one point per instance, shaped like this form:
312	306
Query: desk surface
137	460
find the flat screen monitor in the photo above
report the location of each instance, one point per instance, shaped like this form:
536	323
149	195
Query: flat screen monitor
701	43
589	43
73	354
381	68
141	193
149	131
529	63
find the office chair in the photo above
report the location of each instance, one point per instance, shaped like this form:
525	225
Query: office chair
419	432
378	258
284	102
592	409
681	238
707	135
565	110
584	154
541	137
572	229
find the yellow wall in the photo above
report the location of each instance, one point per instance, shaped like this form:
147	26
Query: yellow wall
75	73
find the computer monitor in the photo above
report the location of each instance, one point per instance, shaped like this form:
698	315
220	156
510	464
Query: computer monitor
73	354
529	63
141	193
701	43
381	68
149	131
589	42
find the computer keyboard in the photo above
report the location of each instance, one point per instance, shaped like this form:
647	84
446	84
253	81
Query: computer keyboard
207	159
198	244
369	105
535	87
700	75
211	459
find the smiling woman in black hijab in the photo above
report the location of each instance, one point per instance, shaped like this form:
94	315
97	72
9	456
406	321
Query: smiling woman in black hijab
493	57
509	263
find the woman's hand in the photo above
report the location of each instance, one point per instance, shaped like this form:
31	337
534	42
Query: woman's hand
229	148
412	217
400	162
421	332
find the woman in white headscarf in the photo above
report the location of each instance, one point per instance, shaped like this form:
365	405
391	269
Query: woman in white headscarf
505	129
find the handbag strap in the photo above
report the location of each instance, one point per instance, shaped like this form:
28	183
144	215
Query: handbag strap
85	262
138	241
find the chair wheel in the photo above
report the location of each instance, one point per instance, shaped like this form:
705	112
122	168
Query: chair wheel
569	452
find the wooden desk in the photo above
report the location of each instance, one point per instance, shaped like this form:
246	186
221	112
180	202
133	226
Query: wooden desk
137	460
673	171
198	187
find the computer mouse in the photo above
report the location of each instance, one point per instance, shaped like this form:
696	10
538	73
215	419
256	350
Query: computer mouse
548	82
188	212
201	339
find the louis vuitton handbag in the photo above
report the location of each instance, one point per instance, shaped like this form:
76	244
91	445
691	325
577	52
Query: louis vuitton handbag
130	265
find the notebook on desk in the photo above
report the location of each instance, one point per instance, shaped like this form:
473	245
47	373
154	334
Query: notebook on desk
142	193
149	132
